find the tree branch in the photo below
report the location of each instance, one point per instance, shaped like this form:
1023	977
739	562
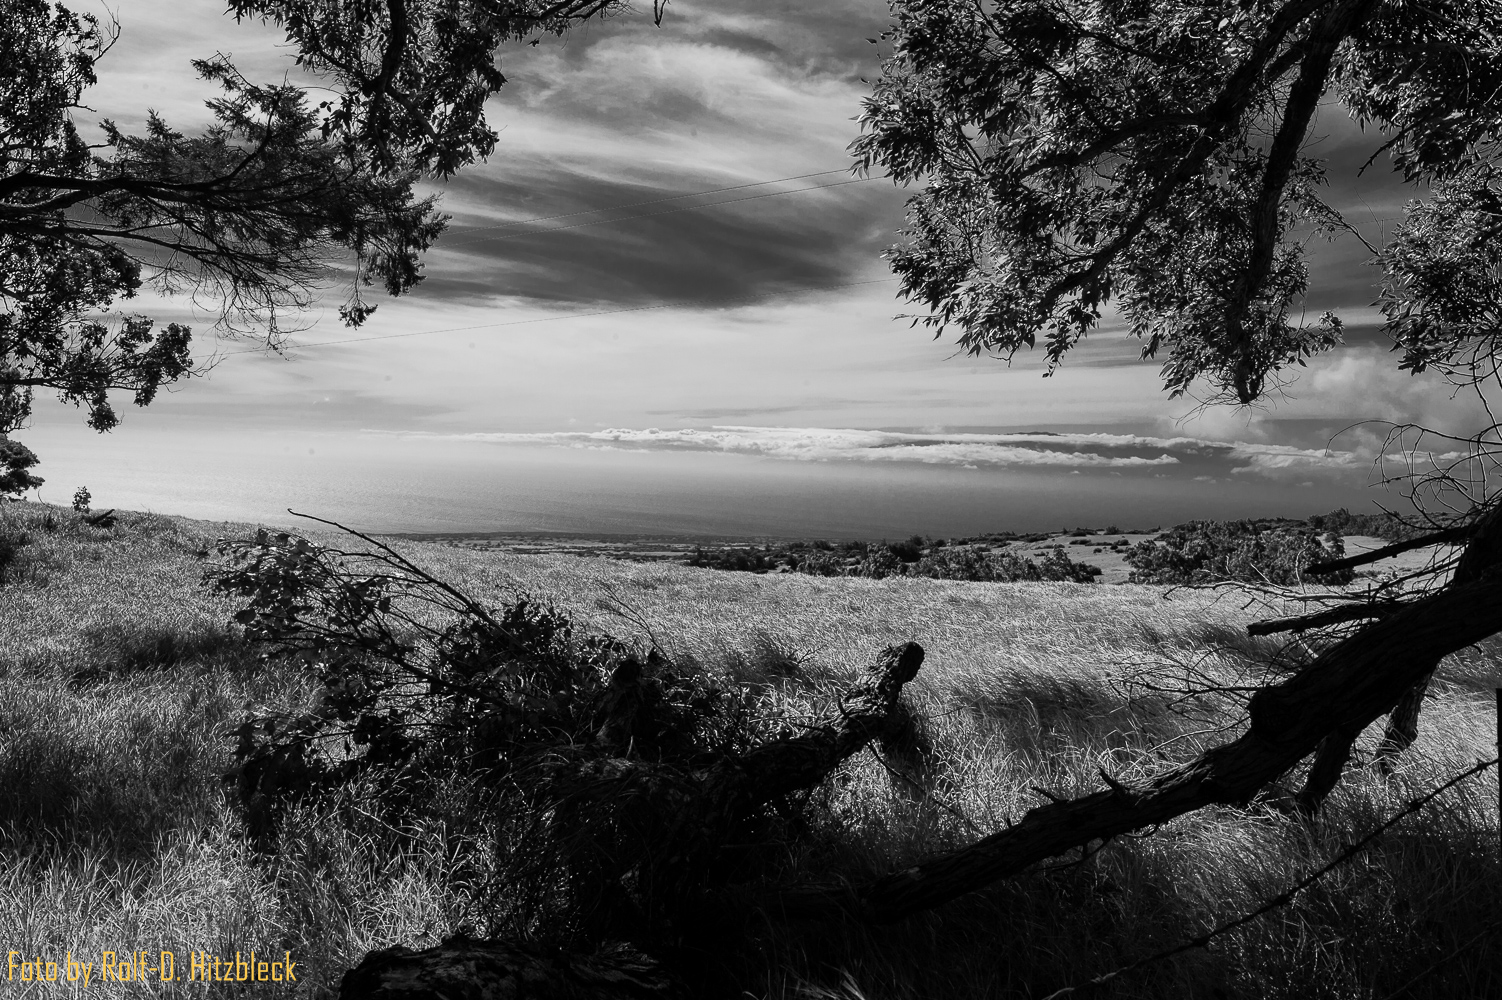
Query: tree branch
1347	686
1449	536
1303	100
1330	616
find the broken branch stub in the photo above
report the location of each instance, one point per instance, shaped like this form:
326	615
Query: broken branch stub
705	809
1348	686
868	710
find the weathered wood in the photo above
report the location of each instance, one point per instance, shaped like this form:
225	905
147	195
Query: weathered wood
1345	688
1403	724
701	811
1324	773
1448	536
1481	554
1319	619
465	969
866	712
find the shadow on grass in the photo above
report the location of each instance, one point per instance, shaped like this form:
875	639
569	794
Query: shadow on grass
119	650
1043	715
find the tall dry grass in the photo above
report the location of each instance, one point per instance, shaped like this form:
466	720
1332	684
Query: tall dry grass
121	679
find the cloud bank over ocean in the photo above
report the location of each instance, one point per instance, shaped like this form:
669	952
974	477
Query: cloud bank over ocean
1038	449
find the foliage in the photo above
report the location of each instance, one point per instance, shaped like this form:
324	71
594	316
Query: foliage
249	216
420	680
81	499
1161	155
15	460
917	557
1385	526
115	836
1276	553
956	563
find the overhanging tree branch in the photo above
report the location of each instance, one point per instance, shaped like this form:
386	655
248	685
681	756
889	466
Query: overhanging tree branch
1347	686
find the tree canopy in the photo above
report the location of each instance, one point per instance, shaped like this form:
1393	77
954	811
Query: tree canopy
279	195
1159	156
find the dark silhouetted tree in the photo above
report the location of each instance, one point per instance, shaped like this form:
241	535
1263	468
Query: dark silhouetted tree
279	195
1160	158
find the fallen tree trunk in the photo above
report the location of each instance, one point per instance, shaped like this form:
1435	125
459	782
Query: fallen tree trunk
866	712
1482	553
1346	688
693	815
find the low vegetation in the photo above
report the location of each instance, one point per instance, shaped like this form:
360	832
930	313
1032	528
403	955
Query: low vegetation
131	691
1271	552
972	560
1276	551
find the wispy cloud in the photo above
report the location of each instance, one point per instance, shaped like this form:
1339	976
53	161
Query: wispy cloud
1278	460
817	444
1193	458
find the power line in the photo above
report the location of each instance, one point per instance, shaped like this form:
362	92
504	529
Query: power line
648	215
654	201
541	319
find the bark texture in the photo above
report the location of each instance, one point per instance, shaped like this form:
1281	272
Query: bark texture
1482	553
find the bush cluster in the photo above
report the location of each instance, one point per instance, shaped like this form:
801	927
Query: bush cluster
1384	526
571	746
916	556
1276	552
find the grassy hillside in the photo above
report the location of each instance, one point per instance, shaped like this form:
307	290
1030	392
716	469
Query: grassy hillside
122	676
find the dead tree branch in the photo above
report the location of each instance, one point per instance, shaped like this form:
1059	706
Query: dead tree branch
1347	687
1320	619
1450	536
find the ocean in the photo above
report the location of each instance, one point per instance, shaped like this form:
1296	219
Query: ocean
388	484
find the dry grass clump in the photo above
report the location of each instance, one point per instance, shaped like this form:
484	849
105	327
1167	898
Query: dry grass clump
121	680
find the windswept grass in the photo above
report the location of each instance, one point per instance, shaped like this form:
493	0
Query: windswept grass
120	678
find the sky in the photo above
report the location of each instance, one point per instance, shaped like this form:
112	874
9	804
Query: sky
705	283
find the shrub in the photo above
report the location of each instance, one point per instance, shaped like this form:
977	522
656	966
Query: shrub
745	560
425	690
1245	551
15	460
914	557
878	563
972	564
81	499
1384	525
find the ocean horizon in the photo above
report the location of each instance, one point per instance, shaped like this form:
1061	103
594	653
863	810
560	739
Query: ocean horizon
414	485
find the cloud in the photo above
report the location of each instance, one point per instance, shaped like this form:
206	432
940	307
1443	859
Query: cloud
694	250
1097	451
1279	460
1186	458
607	140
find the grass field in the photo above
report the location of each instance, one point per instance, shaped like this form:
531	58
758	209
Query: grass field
122	676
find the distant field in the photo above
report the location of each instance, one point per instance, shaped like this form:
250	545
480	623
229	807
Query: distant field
1097	549
122	677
